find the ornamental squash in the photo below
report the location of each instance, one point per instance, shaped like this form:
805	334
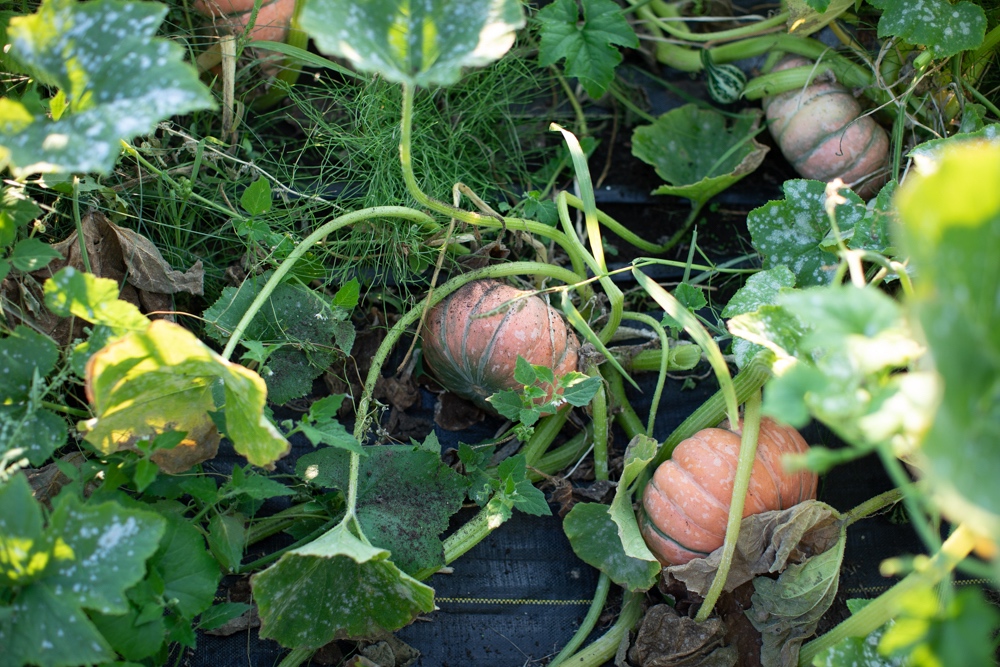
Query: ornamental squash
823	134
472	339
685	506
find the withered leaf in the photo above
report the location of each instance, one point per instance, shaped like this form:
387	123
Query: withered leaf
667	639
768	543
200	444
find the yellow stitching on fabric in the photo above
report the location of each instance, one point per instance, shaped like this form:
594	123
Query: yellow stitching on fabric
511	601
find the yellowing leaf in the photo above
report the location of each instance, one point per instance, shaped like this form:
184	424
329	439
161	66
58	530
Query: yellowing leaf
161	379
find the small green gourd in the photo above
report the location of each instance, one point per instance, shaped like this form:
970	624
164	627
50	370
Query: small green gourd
725	82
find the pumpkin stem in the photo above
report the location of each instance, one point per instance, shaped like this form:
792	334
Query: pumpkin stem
744	469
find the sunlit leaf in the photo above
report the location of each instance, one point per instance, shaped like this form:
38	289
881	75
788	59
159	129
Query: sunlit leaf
71	292
161	379
421	42
118	79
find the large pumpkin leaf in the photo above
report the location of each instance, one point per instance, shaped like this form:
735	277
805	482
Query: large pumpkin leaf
420	42
86	558
594	538
760	290
948	219
336	587
790	231
117	80
161	379
699	152
945	27
399	487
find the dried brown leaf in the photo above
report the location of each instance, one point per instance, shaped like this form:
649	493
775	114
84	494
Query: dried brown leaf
666	639
768	543
200	444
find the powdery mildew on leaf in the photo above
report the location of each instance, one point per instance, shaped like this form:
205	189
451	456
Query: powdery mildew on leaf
421	42
119	80
944	27
789	232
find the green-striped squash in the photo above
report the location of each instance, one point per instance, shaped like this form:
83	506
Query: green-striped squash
685	505
472	339
821	131
725	82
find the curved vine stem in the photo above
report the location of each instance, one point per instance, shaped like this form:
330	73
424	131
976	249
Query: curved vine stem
305	245
602	650
593	614
744	468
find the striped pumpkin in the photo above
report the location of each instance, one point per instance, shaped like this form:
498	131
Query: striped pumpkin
822	133
685	506
473	354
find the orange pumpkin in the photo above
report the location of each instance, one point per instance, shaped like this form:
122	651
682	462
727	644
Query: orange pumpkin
233	16
823	134
474	354
685	506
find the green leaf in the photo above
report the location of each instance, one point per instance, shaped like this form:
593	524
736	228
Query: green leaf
524	372
227	536
20	533
139	632
508	403
246	482
789	232
516	490
219	614
588	47
786	611
594	538
872	231
399	488
419	42
145	473
690	297
256	199
118	78
931	150
699	152
161	379
638	454
16	210
959	635
31	255
84	295
189	573
942	26
348	295
294	317
761	289
579	389
22	354
946	216
336	587
37	431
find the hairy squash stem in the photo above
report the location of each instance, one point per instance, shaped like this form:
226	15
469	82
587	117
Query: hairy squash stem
599	417
744	468
877	612
545	433
562	456
604	649
593	614
664	12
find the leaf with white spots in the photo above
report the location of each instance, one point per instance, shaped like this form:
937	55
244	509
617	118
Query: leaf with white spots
98	551
944	27
930	150
789	232
699	152
119	80
162	379
33	429
337	586
420	42
86	558
594	538
22	354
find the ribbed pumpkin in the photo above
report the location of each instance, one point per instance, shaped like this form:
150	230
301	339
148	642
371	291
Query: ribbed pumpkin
233	16
821	132
474	355
685	506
